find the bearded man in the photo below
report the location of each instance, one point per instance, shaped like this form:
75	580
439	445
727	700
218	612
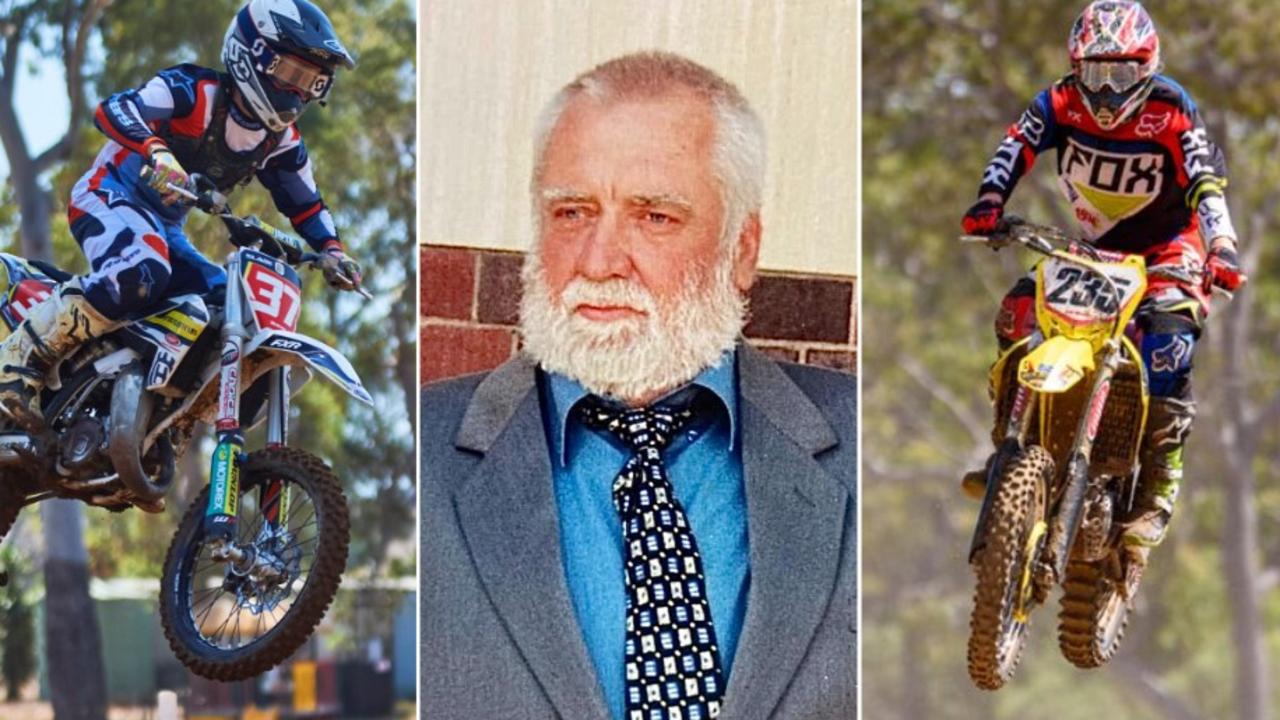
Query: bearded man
640	517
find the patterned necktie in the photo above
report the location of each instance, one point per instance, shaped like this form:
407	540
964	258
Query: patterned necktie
672	660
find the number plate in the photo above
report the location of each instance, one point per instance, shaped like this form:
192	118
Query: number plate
273	291
1081	297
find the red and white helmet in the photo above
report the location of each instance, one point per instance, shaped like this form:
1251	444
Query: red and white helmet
1115	53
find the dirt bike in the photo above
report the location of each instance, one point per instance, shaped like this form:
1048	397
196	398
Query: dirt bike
1071	404
259	554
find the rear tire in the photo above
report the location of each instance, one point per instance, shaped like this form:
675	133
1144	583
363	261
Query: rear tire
1094	615
997	637
189	596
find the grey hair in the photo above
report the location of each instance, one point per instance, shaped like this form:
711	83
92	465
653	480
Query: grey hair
738	157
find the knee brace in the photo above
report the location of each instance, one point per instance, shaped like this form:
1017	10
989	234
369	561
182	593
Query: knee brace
1168	346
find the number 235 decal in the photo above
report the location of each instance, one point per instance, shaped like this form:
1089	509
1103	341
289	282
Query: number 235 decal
1074	287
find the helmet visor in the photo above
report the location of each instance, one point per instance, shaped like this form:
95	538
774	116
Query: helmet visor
298	75
1119	76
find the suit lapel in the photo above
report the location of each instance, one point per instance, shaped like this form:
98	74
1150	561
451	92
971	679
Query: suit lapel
796	512
508	516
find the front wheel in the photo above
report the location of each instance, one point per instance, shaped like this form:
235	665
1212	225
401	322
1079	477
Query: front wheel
1015	535
227	620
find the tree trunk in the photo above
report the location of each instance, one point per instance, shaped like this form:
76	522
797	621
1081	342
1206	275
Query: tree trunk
77	676
1239	433
73	645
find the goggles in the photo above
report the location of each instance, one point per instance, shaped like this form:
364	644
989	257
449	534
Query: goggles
296	75
1119	75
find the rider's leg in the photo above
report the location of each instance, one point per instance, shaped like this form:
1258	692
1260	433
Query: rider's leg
1168	346
1017	317
129	269
192	271
1169	319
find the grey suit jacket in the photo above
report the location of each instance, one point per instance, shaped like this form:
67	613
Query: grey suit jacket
499	639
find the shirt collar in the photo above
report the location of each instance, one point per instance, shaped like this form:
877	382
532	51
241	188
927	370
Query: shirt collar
564	393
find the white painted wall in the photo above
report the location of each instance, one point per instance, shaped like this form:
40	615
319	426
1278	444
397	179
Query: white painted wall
486	67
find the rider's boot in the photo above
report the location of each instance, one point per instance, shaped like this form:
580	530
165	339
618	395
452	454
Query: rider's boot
974	482
1168	422
53	328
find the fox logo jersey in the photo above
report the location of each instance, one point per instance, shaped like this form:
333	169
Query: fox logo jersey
1141	183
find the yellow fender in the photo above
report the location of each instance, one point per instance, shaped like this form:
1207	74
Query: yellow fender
1056	364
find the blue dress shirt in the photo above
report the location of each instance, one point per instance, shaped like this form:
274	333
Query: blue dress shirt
704	463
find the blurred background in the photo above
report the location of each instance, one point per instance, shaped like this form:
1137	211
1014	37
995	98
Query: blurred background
942	82
58	59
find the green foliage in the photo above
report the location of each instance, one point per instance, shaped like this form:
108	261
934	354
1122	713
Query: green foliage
942	81
17	626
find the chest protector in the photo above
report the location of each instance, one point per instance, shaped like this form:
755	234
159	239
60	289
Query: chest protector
210	155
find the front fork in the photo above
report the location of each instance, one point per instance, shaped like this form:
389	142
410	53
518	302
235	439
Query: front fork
222	511
1066	521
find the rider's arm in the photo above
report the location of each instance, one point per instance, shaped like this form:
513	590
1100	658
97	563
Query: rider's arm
1206	174
127	116
1031	135
288	176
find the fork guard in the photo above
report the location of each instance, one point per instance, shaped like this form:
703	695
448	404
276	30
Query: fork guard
313	353
1056	365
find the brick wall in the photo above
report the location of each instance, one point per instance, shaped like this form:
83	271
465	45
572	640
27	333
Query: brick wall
470	302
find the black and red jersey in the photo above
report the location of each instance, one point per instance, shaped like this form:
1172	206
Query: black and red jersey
1153	177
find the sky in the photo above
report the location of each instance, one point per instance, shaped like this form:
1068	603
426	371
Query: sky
41	100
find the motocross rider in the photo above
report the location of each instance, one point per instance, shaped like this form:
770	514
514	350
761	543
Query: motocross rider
1143	177
280	56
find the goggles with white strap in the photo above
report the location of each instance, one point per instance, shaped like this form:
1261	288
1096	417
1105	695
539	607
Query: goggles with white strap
1117	75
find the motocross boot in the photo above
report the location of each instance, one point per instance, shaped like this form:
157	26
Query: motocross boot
974	482
1168	423
52	329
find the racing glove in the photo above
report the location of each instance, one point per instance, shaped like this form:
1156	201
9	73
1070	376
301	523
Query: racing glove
340	270
1222	269
165	171
983	217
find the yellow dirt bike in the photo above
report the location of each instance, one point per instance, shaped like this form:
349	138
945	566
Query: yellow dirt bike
1070	405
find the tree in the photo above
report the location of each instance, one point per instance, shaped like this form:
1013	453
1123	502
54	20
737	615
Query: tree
77	676
17	628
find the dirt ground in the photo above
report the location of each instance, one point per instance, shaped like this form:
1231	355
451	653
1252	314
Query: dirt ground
33	710
43	711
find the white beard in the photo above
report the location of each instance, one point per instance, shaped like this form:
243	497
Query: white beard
636	359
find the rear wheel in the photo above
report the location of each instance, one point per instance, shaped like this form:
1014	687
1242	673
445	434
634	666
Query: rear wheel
1094	614
228	622
1014	538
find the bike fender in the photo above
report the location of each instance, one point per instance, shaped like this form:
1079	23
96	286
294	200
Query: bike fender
1056	365
324	359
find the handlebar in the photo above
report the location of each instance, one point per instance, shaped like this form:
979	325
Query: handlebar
1042	239
248	231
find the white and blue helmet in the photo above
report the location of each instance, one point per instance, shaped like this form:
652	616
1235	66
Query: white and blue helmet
282	54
